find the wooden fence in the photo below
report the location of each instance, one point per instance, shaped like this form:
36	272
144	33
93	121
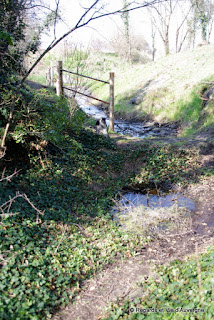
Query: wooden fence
60	90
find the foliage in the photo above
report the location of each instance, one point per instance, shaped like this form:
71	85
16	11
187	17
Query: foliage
174	293
202	15
162	165
12	28
41	262
72	175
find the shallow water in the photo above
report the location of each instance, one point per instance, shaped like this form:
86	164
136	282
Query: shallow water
130	199
136	129
136	212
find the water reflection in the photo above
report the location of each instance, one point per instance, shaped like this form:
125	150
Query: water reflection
132	199
153	214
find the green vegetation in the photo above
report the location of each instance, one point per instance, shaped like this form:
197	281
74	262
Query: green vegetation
59	179
71	175
174	292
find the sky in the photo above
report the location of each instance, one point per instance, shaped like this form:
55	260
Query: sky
107	27
104	28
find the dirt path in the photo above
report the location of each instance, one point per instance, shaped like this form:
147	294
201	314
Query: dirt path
120	279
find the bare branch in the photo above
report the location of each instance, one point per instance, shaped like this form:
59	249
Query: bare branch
81	23
5	207
8	178
55	18
2	152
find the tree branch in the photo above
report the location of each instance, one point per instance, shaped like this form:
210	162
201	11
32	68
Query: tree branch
81	23
8	178
5	207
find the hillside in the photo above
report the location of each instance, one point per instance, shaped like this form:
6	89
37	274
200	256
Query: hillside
168	89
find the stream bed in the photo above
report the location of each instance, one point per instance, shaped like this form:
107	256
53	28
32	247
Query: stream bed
135	211
133	129
153	213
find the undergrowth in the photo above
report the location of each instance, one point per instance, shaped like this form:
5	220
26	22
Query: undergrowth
71	175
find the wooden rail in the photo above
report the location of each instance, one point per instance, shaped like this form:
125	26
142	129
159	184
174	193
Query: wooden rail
60	90
86	95
82	75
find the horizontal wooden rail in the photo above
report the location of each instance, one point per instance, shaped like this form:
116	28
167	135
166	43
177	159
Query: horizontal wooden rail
81	75
84	94
59	89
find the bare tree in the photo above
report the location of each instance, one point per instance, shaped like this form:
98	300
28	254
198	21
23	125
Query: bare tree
126	21
182	30
94	11
203	12
153	35
161	15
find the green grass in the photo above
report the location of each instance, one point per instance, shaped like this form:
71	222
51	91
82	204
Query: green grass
173	86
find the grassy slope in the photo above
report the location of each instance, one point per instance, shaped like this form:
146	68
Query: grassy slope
174	84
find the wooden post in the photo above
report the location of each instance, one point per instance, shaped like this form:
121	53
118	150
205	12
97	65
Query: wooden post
59	82
111	106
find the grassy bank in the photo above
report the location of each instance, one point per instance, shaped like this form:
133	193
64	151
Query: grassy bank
169	89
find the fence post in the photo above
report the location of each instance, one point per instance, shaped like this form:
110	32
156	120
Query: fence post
59	82
111	106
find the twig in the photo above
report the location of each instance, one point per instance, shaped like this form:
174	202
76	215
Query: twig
2	151
7	205
81	229
8	178
204	99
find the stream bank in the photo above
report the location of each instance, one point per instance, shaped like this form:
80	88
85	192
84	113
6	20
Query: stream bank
133	134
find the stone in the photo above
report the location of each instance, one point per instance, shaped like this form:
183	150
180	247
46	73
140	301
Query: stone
101	127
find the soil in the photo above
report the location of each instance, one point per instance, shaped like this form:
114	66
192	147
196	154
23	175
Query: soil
119	281
36	85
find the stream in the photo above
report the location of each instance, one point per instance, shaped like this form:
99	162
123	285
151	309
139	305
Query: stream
135	209
133	129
